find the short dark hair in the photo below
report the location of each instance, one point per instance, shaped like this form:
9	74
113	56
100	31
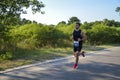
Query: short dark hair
79	24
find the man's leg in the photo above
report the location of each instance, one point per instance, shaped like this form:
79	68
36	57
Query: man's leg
77	57
82	53
76	54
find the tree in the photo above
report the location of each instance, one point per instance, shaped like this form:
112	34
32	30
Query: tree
86	25
118	10
73	19
24	21
106	22
62	22
111	23
11	9
34	22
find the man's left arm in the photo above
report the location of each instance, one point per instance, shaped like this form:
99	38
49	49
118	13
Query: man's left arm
83	36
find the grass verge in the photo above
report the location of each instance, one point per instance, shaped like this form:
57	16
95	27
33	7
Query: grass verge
23	57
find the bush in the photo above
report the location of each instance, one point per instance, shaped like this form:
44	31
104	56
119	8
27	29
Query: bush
100	34
5	55
66	29
35	36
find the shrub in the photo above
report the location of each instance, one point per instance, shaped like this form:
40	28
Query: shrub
100	34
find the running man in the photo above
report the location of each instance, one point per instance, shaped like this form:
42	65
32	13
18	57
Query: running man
78	37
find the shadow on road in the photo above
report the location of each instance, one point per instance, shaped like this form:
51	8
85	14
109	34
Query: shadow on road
88	71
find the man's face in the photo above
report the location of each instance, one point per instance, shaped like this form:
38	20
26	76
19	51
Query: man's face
77	26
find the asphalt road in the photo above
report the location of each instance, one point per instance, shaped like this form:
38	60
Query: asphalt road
102	65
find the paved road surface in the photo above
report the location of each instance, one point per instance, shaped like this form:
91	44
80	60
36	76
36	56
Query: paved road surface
103	65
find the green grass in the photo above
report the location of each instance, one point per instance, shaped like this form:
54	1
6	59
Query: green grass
23	57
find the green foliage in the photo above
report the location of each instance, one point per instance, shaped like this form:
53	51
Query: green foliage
62	22
87	25
10	10
38	35
105	22
35	36
118	9
100	34
73	20
5	55
118	35
66	29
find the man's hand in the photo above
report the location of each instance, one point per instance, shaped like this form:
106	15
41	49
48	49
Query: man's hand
79	39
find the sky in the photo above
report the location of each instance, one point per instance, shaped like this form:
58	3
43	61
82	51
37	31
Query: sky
86	10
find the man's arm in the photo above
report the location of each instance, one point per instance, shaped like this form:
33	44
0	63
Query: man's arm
83	36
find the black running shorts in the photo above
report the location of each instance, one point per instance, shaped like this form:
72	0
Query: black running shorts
77	49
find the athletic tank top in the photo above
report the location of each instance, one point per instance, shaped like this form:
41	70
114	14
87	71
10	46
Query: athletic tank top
76	35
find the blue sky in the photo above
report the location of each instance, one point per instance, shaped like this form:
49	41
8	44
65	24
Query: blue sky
85	10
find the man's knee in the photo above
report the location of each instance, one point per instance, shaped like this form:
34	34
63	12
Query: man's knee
76	53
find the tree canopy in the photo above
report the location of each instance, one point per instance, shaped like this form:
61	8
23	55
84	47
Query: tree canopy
73	19
11	9
118	9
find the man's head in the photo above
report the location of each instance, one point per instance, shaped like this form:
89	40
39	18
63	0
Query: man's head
78	25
